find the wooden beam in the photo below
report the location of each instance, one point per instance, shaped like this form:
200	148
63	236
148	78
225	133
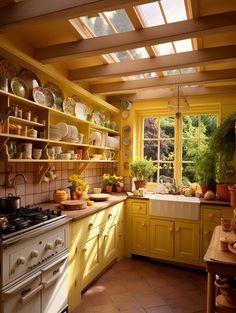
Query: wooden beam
161	93
133	39
184	79
31	11
160	63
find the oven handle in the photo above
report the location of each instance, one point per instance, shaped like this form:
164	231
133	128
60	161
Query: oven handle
30	294
20	285
45	269
49	282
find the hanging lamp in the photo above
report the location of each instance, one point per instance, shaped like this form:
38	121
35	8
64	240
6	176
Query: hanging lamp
178	103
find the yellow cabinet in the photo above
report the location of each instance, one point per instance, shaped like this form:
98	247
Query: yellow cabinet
187	240
161	237
139	235
95	242
211	215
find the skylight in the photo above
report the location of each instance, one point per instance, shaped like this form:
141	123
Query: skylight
150	15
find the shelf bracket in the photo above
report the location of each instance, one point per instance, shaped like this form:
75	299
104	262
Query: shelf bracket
42	169
80	167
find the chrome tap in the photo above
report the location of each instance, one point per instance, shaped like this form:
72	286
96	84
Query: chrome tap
13	181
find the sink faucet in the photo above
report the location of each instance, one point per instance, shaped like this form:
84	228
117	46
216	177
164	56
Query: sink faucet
11	183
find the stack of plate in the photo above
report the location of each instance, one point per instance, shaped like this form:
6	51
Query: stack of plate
113	142
54	132
96	138
68	132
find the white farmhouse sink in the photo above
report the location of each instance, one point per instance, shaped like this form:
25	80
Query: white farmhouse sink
174	206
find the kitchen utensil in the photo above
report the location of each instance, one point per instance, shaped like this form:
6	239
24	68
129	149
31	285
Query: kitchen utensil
74	204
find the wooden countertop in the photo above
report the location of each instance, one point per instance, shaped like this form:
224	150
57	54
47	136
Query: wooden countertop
78	214
214	253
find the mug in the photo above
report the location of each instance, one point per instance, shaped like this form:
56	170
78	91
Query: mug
51	153
110	155
37	153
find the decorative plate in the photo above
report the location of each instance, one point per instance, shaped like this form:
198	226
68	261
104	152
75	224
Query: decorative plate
126	142
43	96
30	79
69	106
7	69
63	127
99	196
126	129
97	117
19	88
126	154
80	109
58	95
125	114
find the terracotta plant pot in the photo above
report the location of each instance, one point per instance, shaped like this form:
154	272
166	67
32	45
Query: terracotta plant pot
232	191
140	184
205	188
109	188
74	195
222	192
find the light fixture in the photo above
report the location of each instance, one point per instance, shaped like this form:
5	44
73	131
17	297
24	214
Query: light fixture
178	103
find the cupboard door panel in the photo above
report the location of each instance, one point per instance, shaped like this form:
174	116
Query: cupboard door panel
139	235
161	237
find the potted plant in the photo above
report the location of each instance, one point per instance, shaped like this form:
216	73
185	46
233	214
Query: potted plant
142	170
222	144
205	170
78	187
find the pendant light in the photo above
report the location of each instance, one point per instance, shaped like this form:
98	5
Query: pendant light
178	103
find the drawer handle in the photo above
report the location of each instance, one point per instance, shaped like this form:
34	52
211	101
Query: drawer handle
90	225
144	225
211	215
105	236
206	233
170	229
177	229
84	249
140	208
109	216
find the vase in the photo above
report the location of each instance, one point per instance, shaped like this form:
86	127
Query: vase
139	183
74	195
109	188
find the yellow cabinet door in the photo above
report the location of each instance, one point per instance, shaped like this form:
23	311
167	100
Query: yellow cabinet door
187	241
206	236
89	255
109	243
161	237
139	235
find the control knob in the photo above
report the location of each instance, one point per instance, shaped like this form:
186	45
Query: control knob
21	260
48	246
34	254
59	241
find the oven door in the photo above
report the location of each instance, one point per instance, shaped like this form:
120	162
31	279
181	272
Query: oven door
24	296
55	286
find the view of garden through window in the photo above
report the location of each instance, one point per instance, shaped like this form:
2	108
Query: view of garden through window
160	142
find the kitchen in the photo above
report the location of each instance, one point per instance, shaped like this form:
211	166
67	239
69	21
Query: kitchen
122	105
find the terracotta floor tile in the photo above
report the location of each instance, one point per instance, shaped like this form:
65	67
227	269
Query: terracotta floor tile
142	286
149	300
125	302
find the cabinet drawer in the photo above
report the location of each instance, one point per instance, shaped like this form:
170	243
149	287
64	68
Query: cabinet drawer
211	216
139	207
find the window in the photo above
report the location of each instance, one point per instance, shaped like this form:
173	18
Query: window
196	130
160	143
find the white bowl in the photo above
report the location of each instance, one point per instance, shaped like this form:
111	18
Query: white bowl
97	190
64	156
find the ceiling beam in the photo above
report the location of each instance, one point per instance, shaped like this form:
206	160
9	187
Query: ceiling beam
160	63
31	11
139	38
173	80
161	93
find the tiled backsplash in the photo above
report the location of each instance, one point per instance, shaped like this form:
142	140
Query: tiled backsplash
32	193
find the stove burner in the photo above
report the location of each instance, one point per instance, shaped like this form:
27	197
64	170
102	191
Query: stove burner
26	217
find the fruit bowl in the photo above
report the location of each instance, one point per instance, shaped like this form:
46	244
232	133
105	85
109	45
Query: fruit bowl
232	247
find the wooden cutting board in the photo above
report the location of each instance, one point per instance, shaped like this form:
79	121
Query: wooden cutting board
74	204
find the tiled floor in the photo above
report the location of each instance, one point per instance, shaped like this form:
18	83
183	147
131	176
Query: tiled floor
141	286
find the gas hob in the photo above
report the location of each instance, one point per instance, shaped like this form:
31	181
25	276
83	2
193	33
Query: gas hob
26	219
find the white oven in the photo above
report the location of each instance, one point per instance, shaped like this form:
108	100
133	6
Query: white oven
34	271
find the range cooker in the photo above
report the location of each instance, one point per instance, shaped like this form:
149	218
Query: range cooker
34	261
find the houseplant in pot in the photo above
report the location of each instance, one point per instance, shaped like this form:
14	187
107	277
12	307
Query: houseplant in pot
222	143
205	170
142	170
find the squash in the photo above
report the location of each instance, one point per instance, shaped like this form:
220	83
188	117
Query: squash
209	195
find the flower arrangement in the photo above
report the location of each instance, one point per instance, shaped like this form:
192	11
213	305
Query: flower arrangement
111	180
77	184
